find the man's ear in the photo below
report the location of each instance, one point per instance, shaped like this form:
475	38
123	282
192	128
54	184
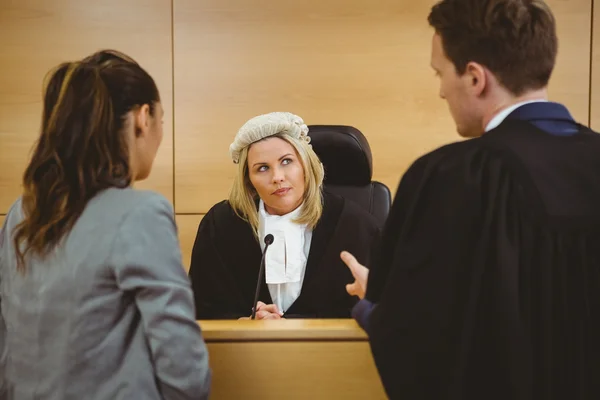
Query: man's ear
142	120
476	77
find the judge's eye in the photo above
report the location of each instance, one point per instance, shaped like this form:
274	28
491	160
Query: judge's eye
262	168
286	161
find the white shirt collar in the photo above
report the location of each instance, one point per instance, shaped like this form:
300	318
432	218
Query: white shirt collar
286	217
286	259
501	116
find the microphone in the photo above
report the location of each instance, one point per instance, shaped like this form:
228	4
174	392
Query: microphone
268	241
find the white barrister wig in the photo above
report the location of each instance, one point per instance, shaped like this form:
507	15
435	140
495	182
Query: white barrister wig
266	125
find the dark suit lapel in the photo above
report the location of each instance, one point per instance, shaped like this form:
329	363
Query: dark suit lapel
544	110
550	117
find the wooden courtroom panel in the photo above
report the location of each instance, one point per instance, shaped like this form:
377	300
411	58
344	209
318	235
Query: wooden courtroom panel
350	62
595	85
39	34
570	83
291	359
187	226
292	329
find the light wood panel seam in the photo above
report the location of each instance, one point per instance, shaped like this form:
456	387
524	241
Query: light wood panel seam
173	96
591	72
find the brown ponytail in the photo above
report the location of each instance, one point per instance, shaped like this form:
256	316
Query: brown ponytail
82	149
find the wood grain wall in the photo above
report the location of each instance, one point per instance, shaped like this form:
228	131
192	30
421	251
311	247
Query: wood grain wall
220	63
595	69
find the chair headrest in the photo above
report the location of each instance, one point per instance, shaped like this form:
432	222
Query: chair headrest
344	152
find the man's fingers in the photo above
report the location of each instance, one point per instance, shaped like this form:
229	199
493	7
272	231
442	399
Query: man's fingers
352	289
351	262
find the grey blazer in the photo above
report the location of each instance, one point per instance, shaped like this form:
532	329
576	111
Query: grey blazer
108	315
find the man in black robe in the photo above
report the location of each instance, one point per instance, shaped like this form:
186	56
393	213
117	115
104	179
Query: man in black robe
487	285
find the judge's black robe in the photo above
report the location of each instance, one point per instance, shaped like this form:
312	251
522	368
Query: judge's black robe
226	260
488	283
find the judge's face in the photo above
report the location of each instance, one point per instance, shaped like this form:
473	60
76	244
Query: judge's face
275	170
461	92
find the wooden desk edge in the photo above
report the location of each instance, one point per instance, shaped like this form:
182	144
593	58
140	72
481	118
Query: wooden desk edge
282	330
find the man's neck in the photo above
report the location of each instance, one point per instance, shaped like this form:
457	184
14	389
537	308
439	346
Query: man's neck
509	100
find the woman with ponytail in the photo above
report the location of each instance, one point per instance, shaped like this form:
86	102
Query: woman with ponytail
95	302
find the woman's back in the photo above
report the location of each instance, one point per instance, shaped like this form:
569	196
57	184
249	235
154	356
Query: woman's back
108	314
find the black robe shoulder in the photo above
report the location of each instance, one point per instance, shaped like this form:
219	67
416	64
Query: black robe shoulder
488	282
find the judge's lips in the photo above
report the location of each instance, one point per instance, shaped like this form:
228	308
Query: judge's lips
281	191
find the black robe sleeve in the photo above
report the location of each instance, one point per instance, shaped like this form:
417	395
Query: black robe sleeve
380	261
488	284
215	290
420	280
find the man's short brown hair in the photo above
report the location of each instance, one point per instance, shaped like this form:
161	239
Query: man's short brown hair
515	39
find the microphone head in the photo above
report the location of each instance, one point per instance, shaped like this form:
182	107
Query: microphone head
269	239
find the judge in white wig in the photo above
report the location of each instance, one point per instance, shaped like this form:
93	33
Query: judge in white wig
277	190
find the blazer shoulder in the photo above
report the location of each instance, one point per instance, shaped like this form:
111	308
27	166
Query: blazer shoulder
127	199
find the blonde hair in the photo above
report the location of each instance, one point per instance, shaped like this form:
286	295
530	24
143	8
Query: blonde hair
243	196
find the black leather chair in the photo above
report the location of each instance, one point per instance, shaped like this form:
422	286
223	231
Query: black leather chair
346	157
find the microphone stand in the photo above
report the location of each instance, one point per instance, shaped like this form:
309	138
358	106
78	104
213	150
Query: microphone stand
268	241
